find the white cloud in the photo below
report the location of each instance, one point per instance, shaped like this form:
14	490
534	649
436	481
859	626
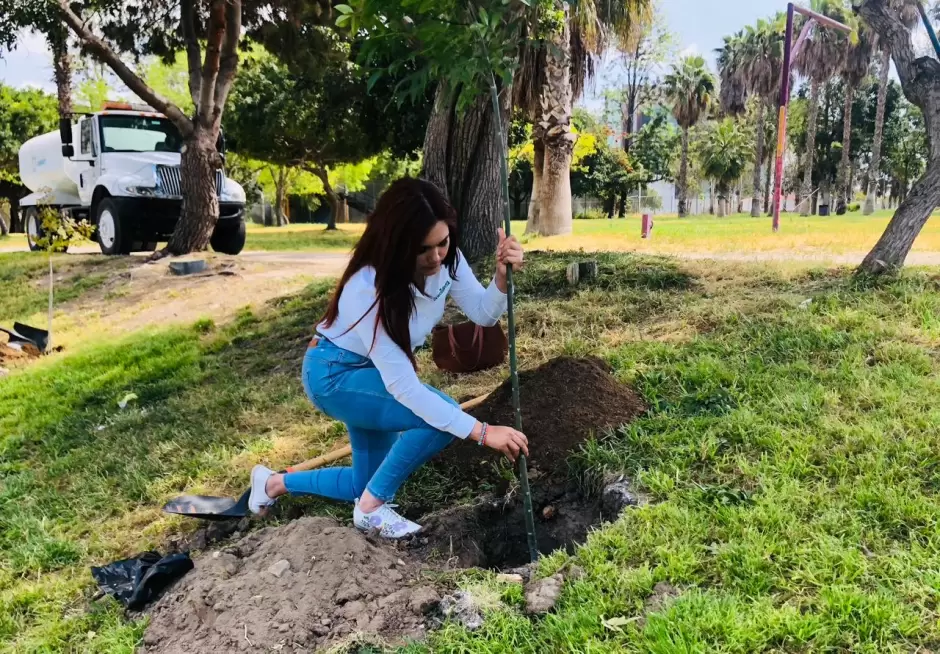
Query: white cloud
690	51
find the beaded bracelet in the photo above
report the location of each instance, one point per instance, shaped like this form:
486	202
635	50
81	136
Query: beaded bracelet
483	434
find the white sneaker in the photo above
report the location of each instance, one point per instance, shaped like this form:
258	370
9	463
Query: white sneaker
259	499
386	520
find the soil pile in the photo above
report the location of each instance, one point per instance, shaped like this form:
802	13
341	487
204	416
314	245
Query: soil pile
564	402
295	588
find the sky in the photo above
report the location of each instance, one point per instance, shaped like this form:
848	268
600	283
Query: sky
699	26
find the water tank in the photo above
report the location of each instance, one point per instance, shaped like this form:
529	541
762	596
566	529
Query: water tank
42	165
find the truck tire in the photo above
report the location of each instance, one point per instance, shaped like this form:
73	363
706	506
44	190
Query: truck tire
110	229
229	236
33	229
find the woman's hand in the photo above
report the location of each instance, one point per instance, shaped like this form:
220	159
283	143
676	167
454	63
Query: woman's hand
508	253
503	439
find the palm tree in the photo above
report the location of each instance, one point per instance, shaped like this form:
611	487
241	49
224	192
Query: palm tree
750	64
857	64
691	89
822	57
907	10
725	153
550	78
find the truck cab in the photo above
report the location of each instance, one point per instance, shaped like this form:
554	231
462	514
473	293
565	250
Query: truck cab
120	169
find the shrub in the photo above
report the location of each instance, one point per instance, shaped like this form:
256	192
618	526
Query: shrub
852	208
591	214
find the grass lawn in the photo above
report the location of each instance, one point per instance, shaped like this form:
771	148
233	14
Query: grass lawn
24	280
791	453
852	233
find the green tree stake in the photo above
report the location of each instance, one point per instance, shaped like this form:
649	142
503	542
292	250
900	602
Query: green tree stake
511	319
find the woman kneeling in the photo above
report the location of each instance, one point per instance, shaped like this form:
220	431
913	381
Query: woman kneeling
360	367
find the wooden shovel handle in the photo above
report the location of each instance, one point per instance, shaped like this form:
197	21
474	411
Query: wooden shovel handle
346	450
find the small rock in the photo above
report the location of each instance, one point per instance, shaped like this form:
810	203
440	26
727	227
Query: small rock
575	573
462	609
542	595
400	563
279	568
216	554
353	610
395	575
617	496
424	599
199	540
326	622
187	267
284	628
548	512
524	571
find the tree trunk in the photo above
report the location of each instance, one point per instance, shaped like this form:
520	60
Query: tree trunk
711	200
874	172
332	198
896	243
684	175
761	117
462	157
4	229
768	178
199	162
810	154
555	189
722	207
843	192
280	183
538	164
62	68
629	109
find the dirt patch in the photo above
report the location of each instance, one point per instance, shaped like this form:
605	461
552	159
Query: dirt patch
564	402
296	588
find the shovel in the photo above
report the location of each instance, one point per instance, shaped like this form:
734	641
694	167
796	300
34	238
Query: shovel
208	507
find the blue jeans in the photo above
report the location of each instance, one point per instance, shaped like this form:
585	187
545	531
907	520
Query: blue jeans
389	442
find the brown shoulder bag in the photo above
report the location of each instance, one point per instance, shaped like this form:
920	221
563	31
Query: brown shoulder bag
467	347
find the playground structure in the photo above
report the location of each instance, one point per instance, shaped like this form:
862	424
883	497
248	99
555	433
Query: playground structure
789	53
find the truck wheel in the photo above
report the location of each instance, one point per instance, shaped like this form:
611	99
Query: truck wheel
110	229
33	229
229	236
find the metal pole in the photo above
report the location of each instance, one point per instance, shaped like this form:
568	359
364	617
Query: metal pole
511	320
782	122
929	27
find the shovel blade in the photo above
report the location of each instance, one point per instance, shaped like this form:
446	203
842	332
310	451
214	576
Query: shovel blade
40	337
207	507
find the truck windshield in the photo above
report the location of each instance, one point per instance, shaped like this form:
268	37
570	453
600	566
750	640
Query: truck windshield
138	134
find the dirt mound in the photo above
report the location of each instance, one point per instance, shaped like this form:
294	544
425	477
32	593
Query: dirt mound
296	588
564	402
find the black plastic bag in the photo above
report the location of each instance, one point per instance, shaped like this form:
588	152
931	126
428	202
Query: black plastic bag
135	582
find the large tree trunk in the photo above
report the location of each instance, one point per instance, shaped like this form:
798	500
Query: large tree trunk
462	157
555	189
761	116
920	79
874	172
199	163
332	198
896	243
4	228
684	175
843	192
538	164
810	155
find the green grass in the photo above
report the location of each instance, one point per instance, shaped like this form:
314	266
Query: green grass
790	453
24	279
853	234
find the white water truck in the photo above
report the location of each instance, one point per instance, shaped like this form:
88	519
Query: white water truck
123	178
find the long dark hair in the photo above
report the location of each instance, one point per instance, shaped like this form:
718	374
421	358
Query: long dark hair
391	244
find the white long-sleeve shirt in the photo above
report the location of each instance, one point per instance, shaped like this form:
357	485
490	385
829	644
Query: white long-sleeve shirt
482	306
